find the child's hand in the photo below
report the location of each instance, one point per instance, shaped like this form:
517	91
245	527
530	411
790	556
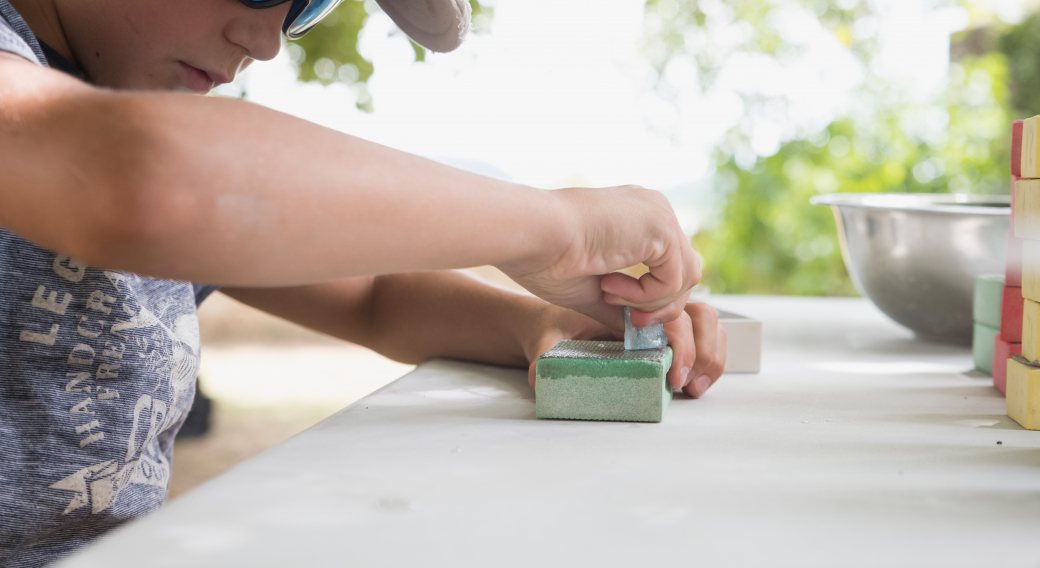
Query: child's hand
607	230
698	343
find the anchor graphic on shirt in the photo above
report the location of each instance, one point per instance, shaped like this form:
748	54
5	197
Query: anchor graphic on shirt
101	479
100	484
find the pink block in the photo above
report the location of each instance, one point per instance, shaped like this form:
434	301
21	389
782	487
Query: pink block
1011	314
1013	267
1016	148
1002	351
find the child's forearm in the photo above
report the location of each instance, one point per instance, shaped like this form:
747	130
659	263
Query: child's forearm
413	317
451	314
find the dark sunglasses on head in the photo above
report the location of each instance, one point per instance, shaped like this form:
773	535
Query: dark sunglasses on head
303	14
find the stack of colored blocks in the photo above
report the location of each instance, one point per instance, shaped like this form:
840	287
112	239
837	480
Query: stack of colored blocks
1009	341
997	310
1021	382
998	331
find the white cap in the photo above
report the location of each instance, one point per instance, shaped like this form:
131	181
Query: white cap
438	25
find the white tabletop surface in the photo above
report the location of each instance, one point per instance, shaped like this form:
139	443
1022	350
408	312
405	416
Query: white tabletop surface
855	446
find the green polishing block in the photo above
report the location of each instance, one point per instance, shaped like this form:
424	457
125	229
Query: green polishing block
601	380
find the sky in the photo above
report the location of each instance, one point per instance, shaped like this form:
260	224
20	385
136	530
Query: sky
558	92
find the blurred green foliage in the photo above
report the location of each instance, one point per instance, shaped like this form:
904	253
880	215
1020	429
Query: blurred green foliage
1021	45
767	238
330	53
336	39
770	240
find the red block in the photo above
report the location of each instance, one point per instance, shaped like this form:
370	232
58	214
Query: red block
1013	267
1016	148
1011	314
1002	351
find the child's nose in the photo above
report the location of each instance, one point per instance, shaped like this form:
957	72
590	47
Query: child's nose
258	31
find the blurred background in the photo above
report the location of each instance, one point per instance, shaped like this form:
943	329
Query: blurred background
739	110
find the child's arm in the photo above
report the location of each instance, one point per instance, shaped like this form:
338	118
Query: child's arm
412	317
449	314
224	191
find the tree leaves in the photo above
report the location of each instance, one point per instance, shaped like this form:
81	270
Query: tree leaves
767	238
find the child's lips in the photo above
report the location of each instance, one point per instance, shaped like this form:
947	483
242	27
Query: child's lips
198	80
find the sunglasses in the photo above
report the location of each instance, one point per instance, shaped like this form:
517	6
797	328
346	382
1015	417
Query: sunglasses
303	14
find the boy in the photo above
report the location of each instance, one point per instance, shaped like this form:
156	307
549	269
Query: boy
117	194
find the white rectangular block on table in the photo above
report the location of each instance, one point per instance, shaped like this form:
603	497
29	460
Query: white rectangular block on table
743	342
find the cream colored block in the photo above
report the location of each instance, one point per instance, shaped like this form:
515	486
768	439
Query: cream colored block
743	342
1030	270
1027	209
1030	333
1023	393
1030	163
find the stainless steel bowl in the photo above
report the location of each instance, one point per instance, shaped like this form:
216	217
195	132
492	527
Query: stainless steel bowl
916	255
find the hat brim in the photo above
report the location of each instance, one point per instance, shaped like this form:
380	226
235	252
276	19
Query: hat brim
437	25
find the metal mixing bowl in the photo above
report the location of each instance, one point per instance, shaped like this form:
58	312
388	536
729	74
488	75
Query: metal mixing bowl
916	255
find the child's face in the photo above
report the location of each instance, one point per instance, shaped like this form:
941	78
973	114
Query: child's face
169	44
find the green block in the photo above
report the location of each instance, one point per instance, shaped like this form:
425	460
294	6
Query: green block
601	380
982	341
989	293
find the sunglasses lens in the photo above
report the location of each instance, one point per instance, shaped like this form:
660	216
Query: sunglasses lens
308	17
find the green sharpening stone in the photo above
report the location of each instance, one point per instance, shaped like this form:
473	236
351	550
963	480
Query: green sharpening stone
601	380
982	341
988	298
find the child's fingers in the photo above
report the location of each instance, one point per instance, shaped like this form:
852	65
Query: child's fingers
646	293
680	337
668	313
700	383
662	310
665	283
705	322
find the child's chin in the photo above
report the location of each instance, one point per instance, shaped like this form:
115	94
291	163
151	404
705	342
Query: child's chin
172	85
178	89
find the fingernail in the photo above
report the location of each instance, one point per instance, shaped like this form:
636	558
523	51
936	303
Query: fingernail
684	376
701	384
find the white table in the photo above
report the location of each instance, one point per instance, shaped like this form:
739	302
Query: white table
856	446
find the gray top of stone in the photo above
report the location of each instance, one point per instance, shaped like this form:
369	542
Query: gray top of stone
649	337
575	349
